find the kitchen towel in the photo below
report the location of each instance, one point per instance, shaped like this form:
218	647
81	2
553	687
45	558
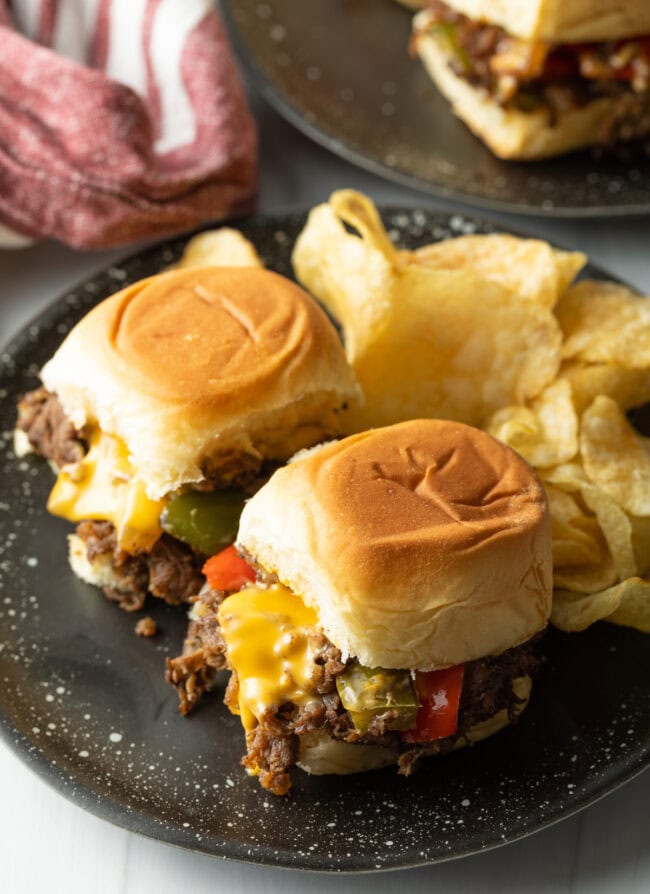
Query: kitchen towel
119	119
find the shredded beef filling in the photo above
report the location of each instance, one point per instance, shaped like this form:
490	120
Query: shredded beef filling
50	432
193	672
558	78
487	689
171	570
273	746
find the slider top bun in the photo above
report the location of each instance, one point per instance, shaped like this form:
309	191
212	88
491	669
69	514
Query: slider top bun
420	545
207	361
560	21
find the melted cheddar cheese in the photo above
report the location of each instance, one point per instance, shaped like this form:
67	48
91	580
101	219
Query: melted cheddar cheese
104	486
269	635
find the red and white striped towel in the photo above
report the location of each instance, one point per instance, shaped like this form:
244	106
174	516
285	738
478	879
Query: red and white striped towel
119	119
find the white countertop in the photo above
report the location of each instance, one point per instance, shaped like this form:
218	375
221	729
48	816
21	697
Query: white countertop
51	845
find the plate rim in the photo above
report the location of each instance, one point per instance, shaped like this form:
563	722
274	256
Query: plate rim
278	100
136	819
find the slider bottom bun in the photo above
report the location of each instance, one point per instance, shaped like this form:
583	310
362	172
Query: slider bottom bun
510	133
99	572
320	755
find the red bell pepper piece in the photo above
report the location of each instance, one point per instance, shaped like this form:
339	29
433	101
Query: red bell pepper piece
439	695
228	571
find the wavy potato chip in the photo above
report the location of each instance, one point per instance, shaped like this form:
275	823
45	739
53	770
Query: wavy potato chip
627	604
546	433
577	538
224	247
623	541
585	579
628	387
582	561
604	322
351	278
616	458
422	342
634	606
530	267
568	477
616	527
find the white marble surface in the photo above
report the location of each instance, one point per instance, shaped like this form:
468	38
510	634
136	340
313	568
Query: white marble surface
49	844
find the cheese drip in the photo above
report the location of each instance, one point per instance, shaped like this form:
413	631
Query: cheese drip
104	486
269	634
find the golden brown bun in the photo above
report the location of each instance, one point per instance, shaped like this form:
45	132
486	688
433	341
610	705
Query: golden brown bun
509	133
561	21
321	755
421	545
201	363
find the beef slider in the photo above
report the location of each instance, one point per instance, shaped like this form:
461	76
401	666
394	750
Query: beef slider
413	568
196	384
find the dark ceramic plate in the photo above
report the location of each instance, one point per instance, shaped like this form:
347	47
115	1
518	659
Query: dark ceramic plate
83	700
340	71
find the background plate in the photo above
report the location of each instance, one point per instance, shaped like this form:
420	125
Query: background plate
343	75
84	702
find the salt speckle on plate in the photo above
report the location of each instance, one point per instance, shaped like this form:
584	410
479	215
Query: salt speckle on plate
115	737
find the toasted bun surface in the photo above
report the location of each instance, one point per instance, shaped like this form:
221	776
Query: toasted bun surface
195	363
510	133
560	21
420	545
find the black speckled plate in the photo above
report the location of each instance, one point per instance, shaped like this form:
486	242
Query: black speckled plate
340	71
83	700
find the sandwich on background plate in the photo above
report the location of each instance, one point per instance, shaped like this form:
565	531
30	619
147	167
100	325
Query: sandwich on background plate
166	406
383	603
536	78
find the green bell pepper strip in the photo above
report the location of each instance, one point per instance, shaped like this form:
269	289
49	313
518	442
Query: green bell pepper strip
367	692
205	521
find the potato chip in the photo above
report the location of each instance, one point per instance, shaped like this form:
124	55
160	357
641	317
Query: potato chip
582	561
634	606
567	476
530	267
604	322
423	342
585	579
577	538
546	433
616	458
628	387
336	267
627	603
641	542
219	248
616	527
360	212
622	538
